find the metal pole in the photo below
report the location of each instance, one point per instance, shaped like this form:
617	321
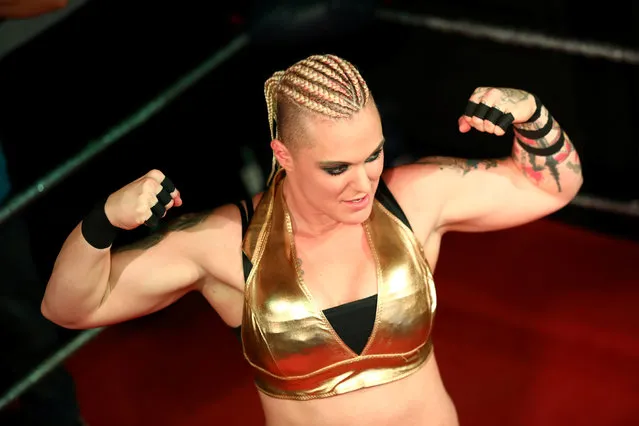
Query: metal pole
48	365
513	36
93	148
590	202
518	37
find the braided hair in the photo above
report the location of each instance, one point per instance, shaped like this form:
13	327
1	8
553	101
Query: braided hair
322	84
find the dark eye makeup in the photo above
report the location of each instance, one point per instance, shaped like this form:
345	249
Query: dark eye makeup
338	170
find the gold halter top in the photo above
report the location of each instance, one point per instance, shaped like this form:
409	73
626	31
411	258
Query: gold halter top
293	349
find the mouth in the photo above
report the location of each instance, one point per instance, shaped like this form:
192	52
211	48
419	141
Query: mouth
357	201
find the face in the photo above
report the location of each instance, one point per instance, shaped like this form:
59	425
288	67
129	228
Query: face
338	172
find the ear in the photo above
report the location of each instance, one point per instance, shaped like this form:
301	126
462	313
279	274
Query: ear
282	154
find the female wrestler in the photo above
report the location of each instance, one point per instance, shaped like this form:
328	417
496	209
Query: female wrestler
327	275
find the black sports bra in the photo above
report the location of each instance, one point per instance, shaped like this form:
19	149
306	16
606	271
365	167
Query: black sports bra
353	321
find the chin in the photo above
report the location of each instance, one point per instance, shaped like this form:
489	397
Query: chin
355	218
356	213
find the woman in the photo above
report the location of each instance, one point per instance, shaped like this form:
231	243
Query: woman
327	275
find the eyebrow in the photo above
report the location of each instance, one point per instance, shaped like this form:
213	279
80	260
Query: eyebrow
328	164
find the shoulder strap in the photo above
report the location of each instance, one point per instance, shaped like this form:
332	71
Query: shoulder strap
386	198
243	215
249	209
246	212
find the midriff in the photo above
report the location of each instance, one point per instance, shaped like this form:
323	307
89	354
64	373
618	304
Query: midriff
419	399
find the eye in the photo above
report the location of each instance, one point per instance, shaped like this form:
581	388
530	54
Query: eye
334	171
374	157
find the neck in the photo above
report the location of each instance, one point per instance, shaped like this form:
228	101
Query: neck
307	221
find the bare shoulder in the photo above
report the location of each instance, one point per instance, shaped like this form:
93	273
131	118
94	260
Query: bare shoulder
211	240
418	190
429	180
430	188
220	243
408	181
224	287
422	174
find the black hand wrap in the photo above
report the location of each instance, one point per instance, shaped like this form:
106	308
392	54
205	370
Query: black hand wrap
494	115
536	134
96	228
499	119
544	152
537	112
164	198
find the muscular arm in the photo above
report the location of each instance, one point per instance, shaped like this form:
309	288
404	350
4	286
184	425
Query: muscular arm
91	288
559	173
483	195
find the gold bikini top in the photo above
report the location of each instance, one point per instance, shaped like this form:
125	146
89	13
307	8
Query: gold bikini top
293	349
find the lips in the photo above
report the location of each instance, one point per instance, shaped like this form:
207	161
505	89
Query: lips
356	200
358	203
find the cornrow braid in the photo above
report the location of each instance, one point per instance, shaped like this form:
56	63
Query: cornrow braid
324	84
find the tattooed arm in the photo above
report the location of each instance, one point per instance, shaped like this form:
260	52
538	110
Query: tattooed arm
558	172
482	195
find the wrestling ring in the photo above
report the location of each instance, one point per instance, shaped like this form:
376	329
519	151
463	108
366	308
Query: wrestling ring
253	183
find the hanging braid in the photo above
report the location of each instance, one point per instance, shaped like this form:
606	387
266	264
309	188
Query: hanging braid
322	84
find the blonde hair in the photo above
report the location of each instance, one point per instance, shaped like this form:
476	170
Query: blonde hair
322	84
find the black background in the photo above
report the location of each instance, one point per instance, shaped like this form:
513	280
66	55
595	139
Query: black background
98	66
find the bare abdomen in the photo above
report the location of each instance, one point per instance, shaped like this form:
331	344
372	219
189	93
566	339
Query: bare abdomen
419	399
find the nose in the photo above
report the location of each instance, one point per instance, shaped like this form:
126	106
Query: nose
361	181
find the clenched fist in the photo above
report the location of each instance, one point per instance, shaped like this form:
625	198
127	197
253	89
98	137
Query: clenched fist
492	109
143	201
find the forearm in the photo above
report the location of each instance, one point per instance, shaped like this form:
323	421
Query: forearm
78	282
558	172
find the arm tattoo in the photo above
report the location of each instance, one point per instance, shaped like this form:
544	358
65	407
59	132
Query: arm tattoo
186	221
464	166
514	96
575	167
540	169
